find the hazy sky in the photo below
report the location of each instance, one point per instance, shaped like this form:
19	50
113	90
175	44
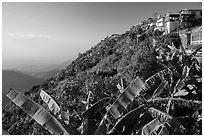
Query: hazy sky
56	32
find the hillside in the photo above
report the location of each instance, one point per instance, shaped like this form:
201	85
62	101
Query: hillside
16	80
128	55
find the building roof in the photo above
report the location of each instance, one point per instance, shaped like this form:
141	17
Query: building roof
173	14
190	10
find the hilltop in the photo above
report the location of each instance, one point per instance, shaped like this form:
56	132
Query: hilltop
98	70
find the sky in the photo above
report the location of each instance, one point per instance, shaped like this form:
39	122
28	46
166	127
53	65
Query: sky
49	33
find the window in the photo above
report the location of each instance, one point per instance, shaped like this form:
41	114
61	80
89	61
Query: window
201	35
195	37
188	38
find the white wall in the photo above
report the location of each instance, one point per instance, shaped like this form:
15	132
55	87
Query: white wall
172	26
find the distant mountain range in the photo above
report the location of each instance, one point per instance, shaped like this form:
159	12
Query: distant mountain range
43	75
37	67
24	79
18	81
47	72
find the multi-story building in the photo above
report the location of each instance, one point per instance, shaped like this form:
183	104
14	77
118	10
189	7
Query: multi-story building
171	22
191	38
195	13
160	24
190	18
175	21
196	37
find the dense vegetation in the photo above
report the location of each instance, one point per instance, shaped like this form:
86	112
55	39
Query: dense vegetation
141	53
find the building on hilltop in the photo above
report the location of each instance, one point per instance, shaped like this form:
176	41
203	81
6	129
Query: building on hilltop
196	37
190	18
185	18
195	13
160	24
191	38
172	22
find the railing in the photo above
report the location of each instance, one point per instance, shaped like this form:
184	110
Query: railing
196	42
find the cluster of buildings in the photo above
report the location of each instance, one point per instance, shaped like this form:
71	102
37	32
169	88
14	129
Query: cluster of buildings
188	24
176	21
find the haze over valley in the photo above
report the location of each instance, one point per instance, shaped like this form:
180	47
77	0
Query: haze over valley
18	81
